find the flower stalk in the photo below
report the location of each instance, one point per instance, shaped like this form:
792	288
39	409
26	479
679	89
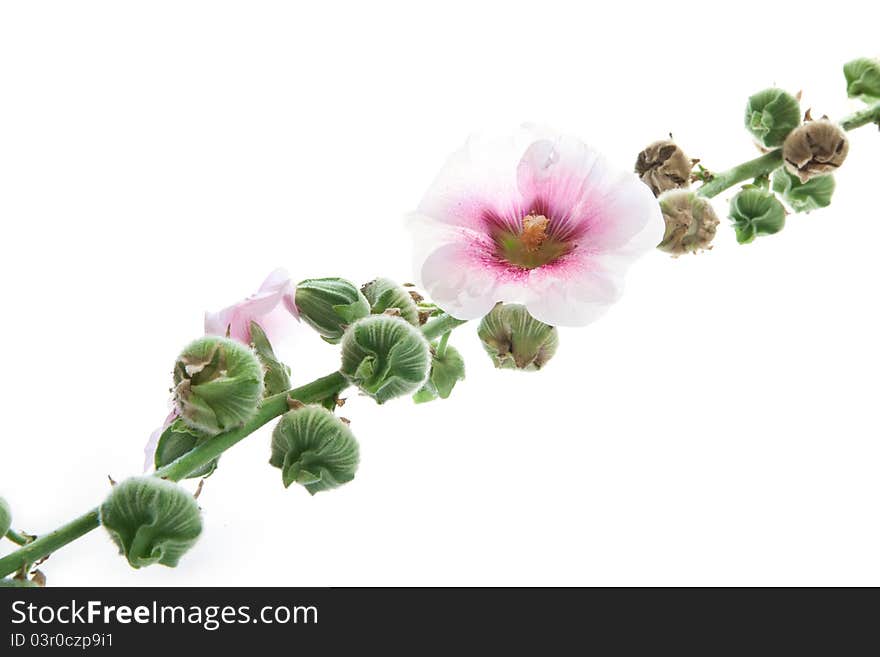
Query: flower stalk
769	162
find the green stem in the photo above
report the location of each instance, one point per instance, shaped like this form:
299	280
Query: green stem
440	325
760	166
441	347
870	114
271	407
769	162
17	538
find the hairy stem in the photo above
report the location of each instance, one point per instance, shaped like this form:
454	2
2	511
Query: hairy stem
17	538
769	162
271	407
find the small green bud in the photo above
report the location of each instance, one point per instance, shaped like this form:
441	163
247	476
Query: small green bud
385	357
690	222
663	166
772	114
863	79
815	149
151	521
447	369
15	583
218	384
5	517
384	294
516	340
276	375
177	440
803	197
314	448
756	212
330	305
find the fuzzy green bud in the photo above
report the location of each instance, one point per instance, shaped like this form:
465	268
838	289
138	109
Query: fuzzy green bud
863	79
218	384
772	114
515	340
176	440
314	448
385	356
330	305
815	149
384	295
663	166
803	196
690	222
5	517
447	369
754	212
151	521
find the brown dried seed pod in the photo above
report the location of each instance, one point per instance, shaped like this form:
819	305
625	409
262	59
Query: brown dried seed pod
816	148
663	166
690	222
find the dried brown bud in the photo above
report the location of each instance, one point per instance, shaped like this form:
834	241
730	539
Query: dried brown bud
690	222
663	166
816	148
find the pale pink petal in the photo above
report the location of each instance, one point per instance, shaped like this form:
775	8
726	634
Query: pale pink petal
456	281
276	293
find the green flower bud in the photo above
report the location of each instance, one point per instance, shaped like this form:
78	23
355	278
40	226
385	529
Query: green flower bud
814	149
663	166
803	197
151	521
218	384
384	295
5	517
447	369
863	79
385	357
690	222
276	375
772	114
756	212
330	305
177	440
515	340
314	448
16	583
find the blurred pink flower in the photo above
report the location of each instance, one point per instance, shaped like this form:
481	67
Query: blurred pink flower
272	307
538	219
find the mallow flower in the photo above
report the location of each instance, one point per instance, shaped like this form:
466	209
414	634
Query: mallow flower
272	307
538	219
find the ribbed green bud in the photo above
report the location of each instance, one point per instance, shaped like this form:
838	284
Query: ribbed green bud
385	357
276	375
151	521
314	448
5	517
177	440
772	114
330	305
754	212
691	222
803	197
18	584
863	79
516	340
218	384
447	369
384	294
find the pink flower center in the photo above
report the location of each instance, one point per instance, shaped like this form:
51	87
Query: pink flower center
533	245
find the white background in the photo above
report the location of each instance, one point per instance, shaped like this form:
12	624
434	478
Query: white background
717	426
